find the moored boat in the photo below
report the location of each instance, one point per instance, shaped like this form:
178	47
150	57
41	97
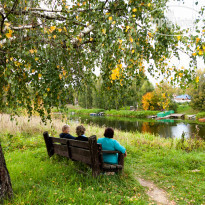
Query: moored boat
201	119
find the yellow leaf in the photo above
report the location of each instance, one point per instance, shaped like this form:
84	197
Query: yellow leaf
120	41
31	51
200	52
52	28
7	24
9	34
131	39
104	30
60	76
197	79
110	18
197	40
64	72
150	35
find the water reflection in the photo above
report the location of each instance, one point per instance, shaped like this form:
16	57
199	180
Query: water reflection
165	128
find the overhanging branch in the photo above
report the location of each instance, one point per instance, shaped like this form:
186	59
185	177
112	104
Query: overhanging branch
48	16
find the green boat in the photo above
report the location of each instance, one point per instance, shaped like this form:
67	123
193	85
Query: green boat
165	113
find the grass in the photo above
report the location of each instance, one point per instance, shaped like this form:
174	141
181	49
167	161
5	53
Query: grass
120	113
38	179
200	115
186	109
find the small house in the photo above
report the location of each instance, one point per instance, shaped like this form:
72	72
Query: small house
182	98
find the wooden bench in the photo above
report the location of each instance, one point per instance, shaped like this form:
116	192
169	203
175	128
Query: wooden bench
89	153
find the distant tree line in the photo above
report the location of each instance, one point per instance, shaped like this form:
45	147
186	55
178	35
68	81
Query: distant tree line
97	96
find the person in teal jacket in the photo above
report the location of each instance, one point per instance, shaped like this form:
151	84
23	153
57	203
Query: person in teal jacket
110	144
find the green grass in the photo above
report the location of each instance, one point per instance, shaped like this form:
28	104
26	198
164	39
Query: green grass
127	113
186	109
200	115
86	111
38	179
121	113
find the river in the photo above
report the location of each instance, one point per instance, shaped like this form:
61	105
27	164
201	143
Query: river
166	128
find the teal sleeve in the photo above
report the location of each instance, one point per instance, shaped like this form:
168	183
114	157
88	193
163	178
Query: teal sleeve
119	147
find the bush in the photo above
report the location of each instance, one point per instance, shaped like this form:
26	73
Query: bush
200	115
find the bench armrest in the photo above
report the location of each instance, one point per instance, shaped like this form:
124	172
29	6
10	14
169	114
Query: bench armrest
111	152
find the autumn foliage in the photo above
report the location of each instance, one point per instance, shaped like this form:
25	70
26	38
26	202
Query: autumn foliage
155	100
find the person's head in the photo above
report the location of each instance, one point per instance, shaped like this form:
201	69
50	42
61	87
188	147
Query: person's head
65	128
80	130
109	132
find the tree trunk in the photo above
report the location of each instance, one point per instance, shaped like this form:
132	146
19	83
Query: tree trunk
5	182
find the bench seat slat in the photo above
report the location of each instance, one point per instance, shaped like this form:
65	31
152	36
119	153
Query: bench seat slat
112	166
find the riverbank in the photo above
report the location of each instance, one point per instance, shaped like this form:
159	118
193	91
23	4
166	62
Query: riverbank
177	166
127	113
117	113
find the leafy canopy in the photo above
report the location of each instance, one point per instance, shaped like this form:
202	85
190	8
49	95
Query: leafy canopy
48	48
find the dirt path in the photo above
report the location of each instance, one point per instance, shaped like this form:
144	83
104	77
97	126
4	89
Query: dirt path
156	194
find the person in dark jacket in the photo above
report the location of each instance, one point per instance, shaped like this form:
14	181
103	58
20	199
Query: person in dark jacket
80	131
65	133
